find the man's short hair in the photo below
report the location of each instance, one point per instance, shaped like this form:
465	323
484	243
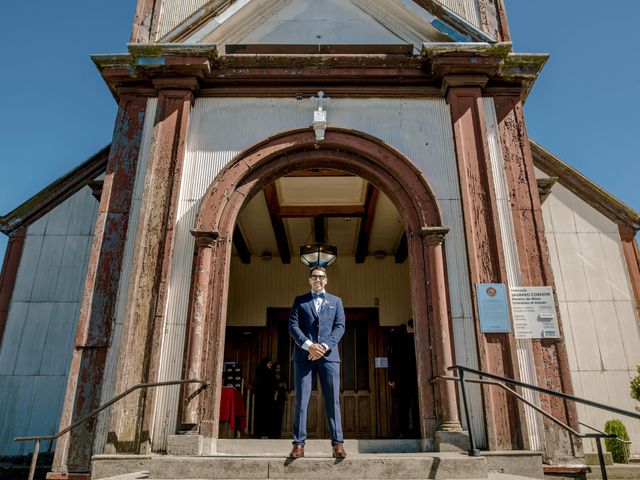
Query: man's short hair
322	269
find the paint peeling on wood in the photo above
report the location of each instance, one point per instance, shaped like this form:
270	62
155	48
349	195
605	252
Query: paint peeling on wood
73	452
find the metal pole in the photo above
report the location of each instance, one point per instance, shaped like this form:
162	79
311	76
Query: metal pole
34	460
603	468
473	451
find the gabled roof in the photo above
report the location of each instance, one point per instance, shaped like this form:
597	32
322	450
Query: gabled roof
584	188
328	22
55	193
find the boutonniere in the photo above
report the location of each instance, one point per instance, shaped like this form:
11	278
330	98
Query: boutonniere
326	302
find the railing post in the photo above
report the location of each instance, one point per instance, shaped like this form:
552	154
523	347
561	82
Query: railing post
603	467
34	459
473	451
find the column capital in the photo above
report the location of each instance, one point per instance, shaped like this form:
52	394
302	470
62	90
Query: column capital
170	84
434	235
205	238
463	81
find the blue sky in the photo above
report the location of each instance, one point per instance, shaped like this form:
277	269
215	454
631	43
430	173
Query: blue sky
56	111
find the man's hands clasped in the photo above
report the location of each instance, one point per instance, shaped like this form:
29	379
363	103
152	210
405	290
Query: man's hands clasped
316	351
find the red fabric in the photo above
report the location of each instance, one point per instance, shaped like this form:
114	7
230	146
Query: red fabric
232	408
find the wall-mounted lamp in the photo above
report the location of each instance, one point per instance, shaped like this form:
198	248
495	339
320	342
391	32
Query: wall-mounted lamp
320	116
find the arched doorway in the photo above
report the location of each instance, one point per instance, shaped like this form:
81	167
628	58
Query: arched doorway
249	173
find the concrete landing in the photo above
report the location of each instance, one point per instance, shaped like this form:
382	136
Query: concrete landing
312	448
405	466
490	476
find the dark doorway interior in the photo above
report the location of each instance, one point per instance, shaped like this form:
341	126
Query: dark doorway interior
368	408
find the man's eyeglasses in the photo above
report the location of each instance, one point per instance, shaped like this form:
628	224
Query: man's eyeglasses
318	277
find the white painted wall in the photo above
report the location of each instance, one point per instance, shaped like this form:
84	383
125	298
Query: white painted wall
221	128
43	314
596	306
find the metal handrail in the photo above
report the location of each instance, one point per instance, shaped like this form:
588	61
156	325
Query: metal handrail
497	381
36	448
613	437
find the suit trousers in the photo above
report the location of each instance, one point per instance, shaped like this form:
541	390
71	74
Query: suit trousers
329	374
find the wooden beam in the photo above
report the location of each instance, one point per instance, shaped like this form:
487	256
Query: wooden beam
319	230
320	210
241	246
271	197
366	223
402	251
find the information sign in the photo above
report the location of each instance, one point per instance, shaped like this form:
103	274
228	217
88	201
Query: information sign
493	308
534	312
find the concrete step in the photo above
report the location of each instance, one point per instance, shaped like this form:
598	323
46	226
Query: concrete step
490	476
405	466
616	471
316	447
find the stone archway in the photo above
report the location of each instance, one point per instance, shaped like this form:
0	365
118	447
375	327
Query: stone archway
250	172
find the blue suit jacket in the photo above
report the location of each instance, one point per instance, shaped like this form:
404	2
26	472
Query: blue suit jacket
327	326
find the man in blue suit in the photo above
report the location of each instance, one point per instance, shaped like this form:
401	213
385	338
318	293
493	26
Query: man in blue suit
316	324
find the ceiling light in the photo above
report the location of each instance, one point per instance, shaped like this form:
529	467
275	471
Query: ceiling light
318	254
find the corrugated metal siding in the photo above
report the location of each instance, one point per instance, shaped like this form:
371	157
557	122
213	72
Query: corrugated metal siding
38	340
108	383
467	9
173	12
524	347
420	129
597	306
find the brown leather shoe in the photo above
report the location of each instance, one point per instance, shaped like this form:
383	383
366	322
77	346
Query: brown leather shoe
338	451
297	452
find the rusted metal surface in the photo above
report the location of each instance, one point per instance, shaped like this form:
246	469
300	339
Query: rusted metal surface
486	261
144	318
296	150
12	256
73	451
550	356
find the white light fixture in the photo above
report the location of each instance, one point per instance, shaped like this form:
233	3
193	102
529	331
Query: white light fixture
320	116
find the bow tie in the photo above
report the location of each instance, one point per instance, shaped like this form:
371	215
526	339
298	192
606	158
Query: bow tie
318	295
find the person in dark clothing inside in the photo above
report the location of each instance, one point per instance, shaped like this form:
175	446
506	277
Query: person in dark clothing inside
282	386
265	390
403	378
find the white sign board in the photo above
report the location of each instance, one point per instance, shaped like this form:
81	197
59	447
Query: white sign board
382	362
534	312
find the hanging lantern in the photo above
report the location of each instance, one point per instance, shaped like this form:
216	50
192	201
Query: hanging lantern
318	254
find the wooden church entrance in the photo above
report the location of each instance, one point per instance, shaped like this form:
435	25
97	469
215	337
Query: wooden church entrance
366	404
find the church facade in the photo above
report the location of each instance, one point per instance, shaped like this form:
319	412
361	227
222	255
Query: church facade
246	128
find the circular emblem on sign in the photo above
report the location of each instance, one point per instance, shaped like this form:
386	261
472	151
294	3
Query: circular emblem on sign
491	292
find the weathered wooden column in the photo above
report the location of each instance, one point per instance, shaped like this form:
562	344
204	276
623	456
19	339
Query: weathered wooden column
12	256
497	352
131	420
97	312
434	239
196	328
212	358
550	355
